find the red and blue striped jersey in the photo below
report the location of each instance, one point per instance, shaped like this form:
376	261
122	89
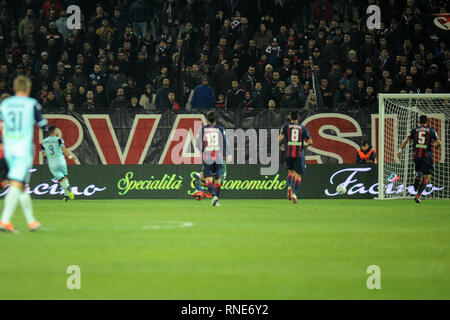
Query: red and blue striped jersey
211	142
422	138
294	136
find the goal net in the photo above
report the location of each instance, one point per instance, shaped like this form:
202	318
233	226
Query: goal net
398	115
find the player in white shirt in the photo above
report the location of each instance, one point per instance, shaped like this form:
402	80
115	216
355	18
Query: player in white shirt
19	114
54	148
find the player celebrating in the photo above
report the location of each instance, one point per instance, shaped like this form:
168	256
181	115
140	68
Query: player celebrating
54	149
422	138
294	138
19	114
210	141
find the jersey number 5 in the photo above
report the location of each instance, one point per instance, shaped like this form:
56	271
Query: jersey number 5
421	137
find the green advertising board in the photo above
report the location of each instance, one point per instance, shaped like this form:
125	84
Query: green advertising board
177	182
242	182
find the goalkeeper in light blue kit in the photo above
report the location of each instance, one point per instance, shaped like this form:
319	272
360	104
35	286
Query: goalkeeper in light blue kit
54	149
19	114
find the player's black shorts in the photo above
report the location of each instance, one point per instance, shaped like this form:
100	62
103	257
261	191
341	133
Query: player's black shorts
3	169
212	170
296	164
424	165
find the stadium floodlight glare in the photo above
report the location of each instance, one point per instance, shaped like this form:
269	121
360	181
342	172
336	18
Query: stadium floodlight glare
398	115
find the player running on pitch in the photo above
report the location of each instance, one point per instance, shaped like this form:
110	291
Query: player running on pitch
54	148
19	114
422	137
211	141
294	139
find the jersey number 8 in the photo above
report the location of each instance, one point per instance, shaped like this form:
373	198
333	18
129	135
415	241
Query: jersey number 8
295	135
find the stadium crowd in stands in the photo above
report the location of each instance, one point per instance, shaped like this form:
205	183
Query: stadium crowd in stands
201	54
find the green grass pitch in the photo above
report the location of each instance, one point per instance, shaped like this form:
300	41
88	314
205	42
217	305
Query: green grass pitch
245	249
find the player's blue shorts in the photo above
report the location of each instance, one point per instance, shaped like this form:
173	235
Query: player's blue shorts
58	168
424	165
19	168
296	164
212	170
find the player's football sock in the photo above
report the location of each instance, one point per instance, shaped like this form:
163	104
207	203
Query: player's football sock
217	188
423	186
210	187
197	182
27	207
417	183
290	179
66	186
298	182
11	200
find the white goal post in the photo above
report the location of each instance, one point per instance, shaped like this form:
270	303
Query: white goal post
398	115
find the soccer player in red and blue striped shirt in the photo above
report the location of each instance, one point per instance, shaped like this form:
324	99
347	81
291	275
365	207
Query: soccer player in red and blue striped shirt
294	139
211	141
422	137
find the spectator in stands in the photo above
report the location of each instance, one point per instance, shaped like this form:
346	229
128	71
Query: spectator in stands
203	96
206	38
67	105
89	104
339	95
119	103
173	104
97	76
225	76
103	31
185	99
249	102
263	37
366	154
235	96
68	90
259	96
288	99
147	99
138	14
101	101
51	105
115	80
80	96
272	104
49	5
134	105
162	95
28	20
370	100
220	103
249	80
